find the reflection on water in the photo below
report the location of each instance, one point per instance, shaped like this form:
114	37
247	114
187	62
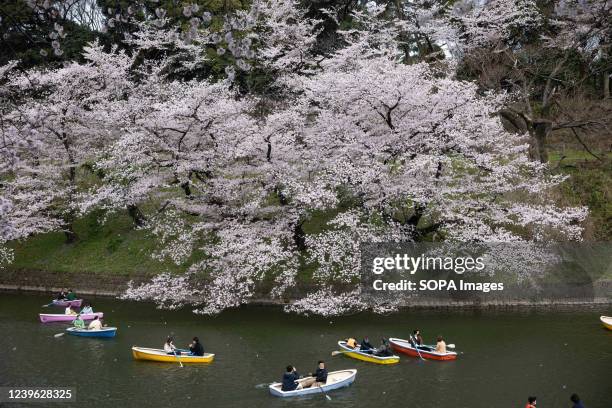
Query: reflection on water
506	356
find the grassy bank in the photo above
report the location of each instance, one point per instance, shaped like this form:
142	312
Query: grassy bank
114	247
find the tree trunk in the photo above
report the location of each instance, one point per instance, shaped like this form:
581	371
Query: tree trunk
136	215
541	128
69	233
606	85
299	237
186	186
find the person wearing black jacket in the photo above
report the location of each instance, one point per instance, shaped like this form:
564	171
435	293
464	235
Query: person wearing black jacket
319	376
196	348
365	345
290	379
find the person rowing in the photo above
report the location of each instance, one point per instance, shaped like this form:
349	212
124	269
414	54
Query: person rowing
196	348
416	339
78	322
365	346
95	324
319	377
289	380
71	295
169	347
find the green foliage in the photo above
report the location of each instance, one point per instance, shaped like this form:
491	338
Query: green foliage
23	36
589	184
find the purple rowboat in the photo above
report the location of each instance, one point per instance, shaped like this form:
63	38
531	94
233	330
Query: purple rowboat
65	303
48	317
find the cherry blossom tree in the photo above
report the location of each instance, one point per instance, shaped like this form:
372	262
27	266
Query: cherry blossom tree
53	124
226	182
519	46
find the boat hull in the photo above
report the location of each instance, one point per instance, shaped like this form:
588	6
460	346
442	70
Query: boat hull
71	303
606	321
335	380
404	347
149	354
104	332
370	358
48	317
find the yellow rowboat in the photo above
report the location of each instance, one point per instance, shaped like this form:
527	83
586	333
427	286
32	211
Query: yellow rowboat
150	354
370	358
607	322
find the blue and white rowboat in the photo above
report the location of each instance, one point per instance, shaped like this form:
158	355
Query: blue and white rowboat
103	332
335	380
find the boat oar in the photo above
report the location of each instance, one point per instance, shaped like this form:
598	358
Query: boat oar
416	346
450	345
49	304
178	359
324	393
338	352
58	335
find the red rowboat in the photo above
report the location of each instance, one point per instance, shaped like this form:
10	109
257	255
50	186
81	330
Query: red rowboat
427	352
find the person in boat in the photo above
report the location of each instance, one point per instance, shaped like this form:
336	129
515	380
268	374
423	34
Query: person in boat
61	295
70	311
576	400
289	381
351	342
196	348
78	322
319	377
87	309
365	345
71	295
440	345
416	339
531	402
95	324
384	350
169	346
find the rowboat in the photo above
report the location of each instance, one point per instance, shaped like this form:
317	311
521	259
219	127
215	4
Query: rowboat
427	352
370	358
103	332
151	354
47	317
335	380
607	322
65	303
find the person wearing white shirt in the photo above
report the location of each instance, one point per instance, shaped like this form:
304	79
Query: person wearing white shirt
169	346
95	324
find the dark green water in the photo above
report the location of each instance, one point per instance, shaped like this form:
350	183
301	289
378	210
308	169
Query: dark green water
506	357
